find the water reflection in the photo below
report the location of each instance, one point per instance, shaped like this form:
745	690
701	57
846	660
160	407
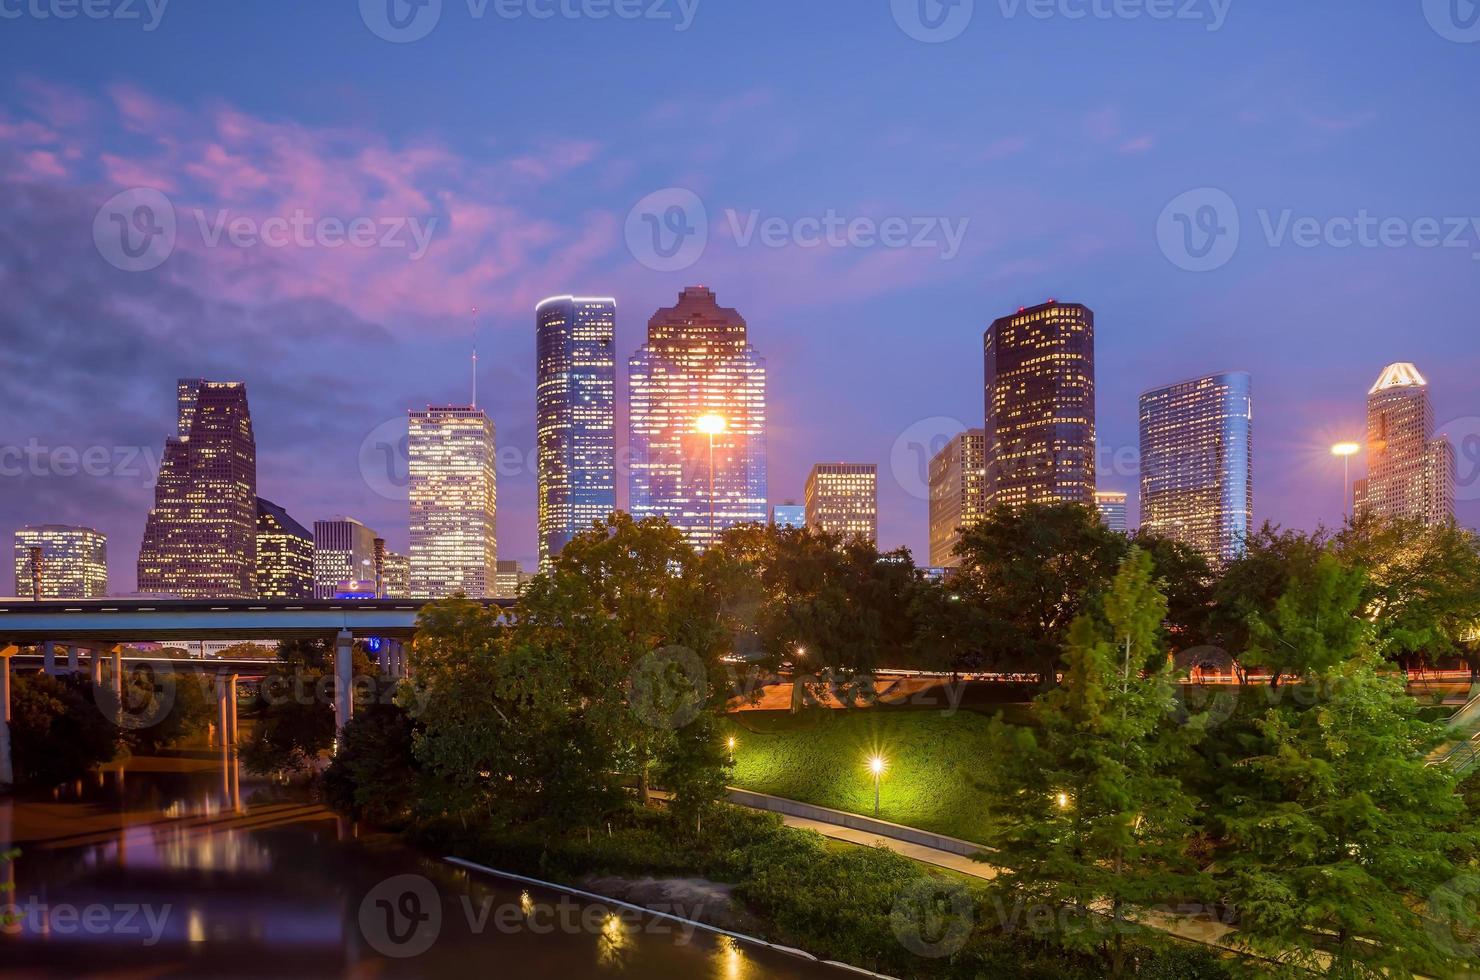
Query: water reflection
186	866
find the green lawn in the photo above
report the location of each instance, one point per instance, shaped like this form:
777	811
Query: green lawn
934	762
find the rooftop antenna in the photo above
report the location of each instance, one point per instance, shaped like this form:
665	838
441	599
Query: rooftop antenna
475	357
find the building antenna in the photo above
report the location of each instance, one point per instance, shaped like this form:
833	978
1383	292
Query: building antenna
475	357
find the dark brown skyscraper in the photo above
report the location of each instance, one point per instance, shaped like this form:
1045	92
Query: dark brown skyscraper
200	540
1040	402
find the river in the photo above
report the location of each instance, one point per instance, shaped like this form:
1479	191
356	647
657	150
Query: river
181	866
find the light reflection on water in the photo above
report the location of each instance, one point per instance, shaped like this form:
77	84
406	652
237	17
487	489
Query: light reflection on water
189	867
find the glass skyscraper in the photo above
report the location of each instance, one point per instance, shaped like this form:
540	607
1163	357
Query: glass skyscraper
1410	474
453	497
57	561
1040	406
1197	458
200	540
697	362
1112	507
575	416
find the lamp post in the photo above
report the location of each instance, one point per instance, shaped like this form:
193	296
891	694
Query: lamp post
876	766
730	744
711	425
1346	450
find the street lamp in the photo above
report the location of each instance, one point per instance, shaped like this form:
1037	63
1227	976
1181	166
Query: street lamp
711	425
876	766
730	743
1346	450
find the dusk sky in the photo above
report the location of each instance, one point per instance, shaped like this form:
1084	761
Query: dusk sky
1052	145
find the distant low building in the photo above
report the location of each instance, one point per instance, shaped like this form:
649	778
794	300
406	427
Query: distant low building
789	514
510	579
1111	505
59	561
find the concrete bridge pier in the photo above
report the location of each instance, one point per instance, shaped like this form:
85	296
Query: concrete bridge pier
397	658
95	664
49	658
72	665
226	729
7	768
115	676
344	679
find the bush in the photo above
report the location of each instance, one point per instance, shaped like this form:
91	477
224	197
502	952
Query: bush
58	732
374	774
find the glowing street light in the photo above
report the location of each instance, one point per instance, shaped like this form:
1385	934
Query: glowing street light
711	425
1346	450
730	743
876	766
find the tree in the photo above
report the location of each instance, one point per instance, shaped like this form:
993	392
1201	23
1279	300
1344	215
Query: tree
58	729
1313	626
1341	831
294	709
190	710
1095	818
374	774
1030	572
1254	581
1187	579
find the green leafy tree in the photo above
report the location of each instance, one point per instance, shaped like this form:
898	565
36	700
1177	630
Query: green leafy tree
189	713
1313	626
294	708
374	774
59	730
1253	582
1096	820
1187	579
1030	572
1340	831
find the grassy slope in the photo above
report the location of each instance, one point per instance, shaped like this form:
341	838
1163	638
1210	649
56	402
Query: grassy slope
821	756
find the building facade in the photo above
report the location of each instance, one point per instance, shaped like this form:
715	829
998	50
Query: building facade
343	555
1040	406
395	576
1111	505
200	539
843	499
1197	461
789	514
453	503
512	578
698	363
958	493
575	416
1410	473
284	554
59	561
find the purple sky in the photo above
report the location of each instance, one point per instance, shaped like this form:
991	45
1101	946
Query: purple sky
1057	144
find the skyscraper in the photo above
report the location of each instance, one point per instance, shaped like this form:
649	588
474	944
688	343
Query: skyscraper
575	416
1040	406
1112	507
958	494
395	580
1410	474
343	554
200	540
284	554
698	363
58	561
843	499
453	499
1197	459
789	514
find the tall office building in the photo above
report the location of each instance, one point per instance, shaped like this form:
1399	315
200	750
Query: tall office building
284	554
1197	459
697	364
58	561
843	499
958	493
575	416
1111	505
1410	474
395	576
200	540
1040	406
343	555
453	500
789	514
512	578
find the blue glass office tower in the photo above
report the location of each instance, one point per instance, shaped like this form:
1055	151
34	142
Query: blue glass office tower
698	364
575	416
1197	459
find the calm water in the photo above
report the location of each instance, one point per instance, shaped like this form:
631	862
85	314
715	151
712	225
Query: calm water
182	867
